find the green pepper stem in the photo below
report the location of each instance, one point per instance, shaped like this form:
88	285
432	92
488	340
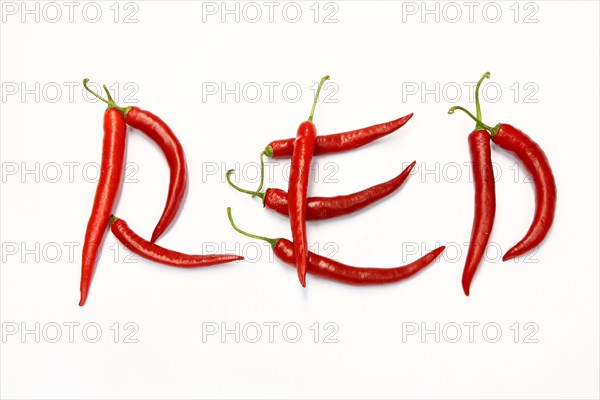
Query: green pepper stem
239	189
113	219
108	94
110	101
480	124
272	242
477	104
262	171
312	112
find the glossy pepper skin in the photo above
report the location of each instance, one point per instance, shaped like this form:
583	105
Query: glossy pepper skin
107	190
319	208
338	142
336	271
153	252
304	147
535	161
485	203
159	132
527	151
302	154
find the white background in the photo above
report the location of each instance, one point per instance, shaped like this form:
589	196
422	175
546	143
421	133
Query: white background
377	53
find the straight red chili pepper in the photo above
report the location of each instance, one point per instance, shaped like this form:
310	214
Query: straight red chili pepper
107	190
485	203
336	271
304	147
338	142
318	208
485	195
159	132
159	254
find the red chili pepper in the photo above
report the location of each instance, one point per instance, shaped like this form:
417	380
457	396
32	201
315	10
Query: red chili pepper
336	271
154	252
485	203
304	147
157	130
535	161
107	190
329	207
485	195
340	141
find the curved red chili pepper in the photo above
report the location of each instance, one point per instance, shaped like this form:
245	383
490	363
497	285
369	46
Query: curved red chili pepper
159	254
318	208
336	271
107	190
159	132
304	147
485	203
338	142
535	161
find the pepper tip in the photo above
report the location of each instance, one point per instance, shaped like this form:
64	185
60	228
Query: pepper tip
509	255
302	280
155	236
466	284
466	289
